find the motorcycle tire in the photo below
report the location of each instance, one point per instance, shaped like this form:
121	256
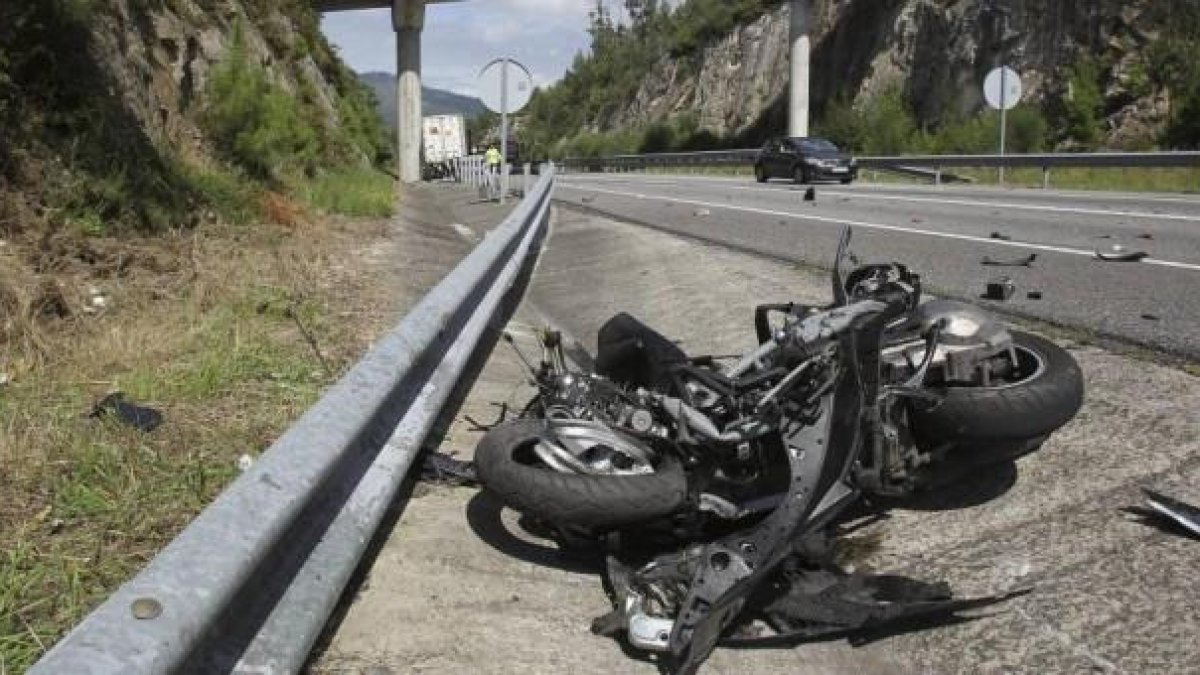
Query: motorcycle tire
1032	407
597	502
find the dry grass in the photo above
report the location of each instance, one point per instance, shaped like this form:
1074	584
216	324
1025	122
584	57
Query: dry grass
202	326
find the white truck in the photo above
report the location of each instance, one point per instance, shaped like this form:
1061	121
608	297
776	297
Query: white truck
445	140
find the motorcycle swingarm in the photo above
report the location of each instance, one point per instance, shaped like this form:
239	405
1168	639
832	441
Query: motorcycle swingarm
728	570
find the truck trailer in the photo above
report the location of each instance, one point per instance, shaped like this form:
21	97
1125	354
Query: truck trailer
445	140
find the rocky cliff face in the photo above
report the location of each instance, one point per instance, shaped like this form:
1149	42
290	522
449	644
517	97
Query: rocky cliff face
101	101
937	51
157	59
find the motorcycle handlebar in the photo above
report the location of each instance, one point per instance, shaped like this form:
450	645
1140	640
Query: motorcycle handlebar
818	329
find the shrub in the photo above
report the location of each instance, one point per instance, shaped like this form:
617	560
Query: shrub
1082	108
257	124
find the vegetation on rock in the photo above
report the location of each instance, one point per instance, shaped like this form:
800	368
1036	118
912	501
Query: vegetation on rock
1078	107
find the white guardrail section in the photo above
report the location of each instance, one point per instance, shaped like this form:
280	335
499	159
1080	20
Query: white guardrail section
932	164
249	585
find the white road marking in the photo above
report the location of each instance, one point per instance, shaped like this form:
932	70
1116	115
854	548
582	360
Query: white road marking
878	226
862	184
861	194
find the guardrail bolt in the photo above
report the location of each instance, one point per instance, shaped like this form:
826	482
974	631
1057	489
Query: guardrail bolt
145	609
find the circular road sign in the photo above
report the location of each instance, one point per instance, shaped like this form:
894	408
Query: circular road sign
1012	88
492	81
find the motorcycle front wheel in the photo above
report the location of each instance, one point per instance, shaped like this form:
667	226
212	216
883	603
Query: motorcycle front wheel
602	485
1044	393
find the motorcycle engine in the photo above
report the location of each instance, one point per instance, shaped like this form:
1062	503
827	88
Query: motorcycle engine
576	396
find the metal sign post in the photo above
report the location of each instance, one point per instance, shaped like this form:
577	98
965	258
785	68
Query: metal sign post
1003	118
503	130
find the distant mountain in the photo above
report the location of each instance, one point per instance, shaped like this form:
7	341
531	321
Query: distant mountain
434	101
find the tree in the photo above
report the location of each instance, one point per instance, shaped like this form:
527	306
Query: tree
1084	103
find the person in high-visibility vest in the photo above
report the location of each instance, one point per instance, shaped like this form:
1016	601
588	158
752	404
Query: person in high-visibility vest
493	159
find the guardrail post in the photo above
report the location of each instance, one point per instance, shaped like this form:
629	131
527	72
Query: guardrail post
1045	178
937	176
525	182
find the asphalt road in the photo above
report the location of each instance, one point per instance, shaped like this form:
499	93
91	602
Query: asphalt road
945	233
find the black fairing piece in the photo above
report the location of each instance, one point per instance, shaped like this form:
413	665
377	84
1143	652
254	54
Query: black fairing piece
820	457
630	352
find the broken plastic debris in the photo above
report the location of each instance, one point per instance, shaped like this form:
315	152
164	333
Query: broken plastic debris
700	213
1150	317
1118	253
810	195
1034	295
1025	261
442	468
1178	512
139	417
1000	289
1001	237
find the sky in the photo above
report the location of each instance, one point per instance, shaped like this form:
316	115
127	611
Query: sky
460	38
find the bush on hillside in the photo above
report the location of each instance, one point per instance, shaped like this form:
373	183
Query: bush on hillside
255	122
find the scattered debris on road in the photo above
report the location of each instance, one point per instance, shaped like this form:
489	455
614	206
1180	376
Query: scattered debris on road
1145	235
1001	237
442	468
810	195
244	463
1034	295
1118	253
588	200
139	417
1000	289
1167	510
1151	317
1024	261
702	213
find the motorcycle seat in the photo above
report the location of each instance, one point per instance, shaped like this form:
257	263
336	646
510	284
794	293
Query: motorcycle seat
632	353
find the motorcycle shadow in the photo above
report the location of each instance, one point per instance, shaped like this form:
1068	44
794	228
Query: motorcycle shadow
530	542
964	488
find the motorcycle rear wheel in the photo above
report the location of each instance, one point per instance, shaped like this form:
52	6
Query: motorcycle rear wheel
1046	395
509	468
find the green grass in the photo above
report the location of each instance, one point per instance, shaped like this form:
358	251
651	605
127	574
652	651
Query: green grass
1114	180
360	193
88	502
110	496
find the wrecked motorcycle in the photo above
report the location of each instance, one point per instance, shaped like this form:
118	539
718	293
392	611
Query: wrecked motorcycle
710	482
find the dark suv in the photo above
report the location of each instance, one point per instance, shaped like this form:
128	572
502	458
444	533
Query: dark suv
804	160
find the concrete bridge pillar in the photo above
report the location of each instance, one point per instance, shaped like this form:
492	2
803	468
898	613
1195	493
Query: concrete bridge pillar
408	19
801	54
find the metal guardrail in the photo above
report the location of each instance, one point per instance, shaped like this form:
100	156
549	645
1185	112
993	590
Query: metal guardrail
249	585
904	163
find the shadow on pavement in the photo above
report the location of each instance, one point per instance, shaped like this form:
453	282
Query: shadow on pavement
484	517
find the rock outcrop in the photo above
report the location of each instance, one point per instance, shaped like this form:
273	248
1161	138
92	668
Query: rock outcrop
937	51
158	58
102	103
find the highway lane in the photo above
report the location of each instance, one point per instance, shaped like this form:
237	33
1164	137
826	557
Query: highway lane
945	233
